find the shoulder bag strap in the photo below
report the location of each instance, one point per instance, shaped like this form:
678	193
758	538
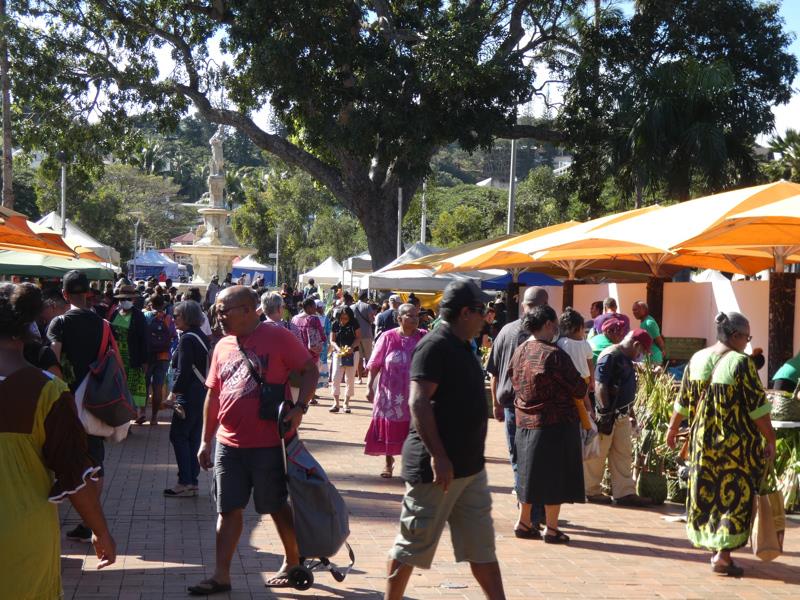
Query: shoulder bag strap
684	451
250	366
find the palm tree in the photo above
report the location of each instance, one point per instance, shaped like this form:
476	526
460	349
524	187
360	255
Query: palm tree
788	146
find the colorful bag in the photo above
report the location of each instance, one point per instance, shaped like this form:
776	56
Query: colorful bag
106	393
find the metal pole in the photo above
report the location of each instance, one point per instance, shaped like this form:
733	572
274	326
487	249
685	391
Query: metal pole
63	199
512	188
399	221
135	237
423	223
277	255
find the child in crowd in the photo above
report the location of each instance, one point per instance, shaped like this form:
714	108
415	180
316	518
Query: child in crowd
572	341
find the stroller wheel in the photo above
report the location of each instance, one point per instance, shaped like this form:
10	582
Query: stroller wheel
300	578
337	575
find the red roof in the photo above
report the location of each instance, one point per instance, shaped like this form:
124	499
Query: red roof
186	238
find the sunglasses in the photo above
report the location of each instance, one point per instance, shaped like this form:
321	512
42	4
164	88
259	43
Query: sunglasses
480	309
226	311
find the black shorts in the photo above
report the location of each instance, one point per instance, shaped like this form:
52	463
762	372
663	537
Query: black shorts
97	451
237	471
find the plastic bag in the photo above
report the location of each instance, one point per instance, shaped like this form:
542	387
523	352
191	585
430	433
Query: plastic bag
591	442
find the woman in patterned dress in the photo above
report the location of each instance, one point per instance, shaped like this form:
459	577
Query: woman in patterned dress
130	330
731	441
391	415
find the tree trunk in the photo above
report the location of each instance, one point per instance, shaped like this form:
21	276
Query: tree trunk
8	180
781	319
378	217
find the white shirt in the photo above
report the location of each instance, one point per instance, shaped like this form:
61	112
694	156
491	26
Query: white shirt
579	351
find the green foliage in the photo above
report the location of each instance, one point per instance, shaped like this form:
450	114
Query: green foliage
788	146
312	226
103	206
670	100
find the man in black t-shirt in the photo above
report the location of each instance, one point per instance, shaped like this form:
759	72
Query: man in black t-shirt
75	339
388	319
443	455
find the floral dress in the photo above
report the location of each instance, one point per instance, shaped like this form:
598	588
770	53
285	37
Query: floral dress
391	415
136	382
726	450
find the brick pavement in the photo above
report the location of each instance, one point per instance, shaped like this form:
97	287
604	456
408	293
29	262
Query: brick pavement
166	544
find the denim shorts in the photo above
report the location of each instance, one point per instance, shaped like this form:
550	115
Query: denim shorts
156	373
237	471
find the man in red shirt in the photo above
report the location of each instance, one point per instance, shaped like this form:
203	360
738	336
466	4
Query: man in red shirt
248	455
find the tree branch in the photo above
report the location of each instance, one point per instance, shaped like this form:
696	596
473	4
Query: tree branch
536	132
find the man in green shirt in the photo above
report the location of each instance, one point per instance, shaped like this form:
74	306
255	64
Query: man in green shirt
648	323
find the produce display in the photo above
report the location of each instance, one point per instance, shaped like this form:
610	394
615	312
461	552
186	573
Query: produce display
787	467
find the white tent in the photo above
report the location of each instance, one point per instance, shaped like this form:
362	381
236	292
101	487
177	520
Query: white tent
78	237
359	263
416	280
328	272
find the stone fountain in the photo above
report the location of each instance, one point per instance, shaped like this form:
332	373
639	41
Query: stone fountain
214	251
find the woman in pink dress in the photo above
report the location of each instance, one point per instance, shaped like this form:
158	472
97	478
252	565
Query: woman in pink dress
391	415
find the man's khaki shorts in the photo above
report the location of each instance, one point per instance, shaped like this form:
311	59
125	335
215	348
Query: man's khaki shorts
467	507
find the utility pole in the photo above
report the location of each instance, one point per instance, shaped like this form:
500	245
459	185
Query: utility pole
512	188
61	156
277	254
5	89
423	223
399	221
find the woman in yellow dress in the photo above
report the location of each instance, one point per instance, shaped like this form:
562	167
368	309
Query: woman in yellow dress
731	441
43	460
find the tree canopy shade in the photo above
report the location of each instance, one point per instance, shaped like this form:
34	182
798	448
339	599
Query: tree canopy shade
366	91
672	98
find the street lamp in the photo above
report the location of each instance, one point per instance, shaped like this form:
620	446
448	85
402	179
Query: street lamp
138	216
61	157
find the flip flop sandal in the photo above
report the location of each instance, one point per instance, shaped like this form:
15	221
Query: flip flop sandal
333	409
559	537
347	410
387	472
185	493
279	575
208	587
730	569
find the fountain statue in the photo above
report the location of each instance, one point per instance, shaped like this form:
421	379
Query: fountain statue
214	252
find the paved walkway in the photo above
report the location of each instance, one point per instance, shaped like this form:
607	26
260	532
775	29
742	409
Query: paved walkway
166	544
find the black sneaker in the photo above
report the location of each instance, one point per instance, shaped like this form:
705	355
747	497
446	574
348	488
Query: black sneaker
80	534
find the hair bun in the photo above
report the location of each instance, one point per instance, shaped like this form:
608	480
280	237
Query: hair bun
720	318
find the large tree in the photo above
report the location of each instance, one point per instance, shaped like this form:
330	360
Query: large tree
367	91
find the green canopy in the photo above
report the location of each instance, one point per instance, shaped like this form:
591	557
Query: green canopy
28	264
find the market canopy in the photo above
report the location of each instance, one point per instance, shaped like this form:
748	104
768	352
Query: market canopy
16	234
415	280
772	227
659	236
328	272
29	264
360	263
78	237
152	263
250	266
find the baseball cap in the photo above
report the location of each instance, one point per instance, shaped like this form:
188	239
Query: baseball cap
459	294
395	298
75	282
613	323
644	339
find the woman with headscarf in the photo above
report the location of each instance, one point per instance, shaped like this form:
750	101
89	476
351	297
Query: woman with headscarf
43	460
391	415
731	441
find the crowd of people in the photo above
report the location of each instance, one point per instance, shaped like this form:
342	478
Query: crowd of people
218	360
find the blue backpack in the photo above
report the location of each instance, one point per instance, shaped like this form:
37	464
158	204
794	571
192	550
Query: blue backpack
158	334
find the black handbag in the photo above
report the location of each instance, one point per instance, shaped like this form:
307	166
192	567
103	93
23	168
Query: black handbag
270	395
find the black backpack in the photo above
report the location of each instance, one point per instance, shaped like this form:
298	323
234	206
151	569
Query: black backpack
158	334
